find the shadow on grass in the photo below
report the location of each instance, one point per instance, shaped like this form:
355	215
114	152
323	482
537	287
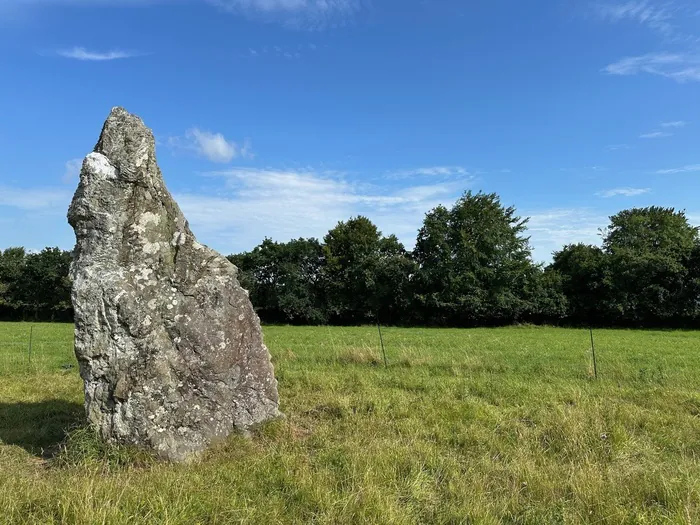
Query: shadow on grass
41	427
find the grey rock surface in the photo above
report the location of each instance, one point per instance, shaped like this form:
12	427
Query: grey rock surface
169	346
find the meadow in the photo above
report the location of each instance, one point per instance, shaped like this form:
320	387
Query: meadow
503	425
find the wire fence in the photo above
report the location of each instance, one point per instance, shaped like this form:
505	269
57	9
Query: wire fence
33	348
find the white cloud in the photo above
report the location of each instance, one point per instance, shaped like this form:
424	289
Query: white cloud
80	53
549	230
72	170
297	14
655	135
641	11
676	66
674	124
246	150
48	199
285	204
212	146
300	14
685	169
624	192
617	147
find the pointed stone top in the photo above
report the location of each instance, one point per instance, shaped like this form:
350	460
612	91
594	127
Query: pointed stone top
127	143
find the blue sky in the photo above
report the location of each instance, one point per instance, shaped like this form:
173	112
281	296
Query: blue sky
281	117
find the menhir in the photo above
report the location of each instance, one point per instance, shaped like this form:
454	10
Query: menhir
170	348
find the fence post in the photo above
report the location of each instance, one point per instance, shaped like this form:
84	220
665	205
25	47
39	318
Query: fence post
381	340
595	364
31	333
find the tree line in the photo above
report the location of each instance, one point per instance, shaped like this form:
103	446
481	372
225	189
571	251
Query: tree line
471	266
35	286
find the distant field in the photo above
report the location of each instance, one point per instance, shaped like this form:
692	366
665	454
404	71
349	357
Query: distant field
465	426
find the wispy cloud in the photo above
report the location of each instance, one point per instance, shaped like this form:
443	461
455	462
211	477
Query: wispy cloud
656	17
72	170
674	124
624	192
676	66
33	199
431	171
583	168
277	51
655	135
685	169
283	204
80	53
212	146
299	14
551	229
295	14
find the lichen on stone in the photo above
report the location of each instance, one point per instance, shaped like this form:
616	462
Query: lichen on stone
170	348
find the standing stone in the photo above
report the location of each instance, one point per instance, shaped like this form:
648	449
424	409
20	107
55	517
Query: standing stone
169	346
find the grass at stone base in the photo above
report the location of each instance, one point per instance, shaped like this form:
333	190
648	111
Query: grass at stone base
465	426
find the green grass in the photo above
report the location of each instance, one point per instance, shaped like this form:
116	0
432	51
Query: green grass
465	426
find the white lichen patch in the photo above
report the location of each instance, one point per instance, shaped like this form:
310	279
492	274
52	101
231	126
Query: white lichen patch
151	248
142	155
143	275
145	219
179	238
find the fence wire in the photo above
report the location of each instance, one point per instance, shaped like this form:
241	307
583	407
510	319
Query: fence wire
29	349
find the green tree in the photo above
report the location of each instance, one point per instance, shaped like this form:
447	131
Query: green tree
650	230
284	280
12	261
44	285
474	263
394	270
587	284
545	297
651	252
435	295
366	275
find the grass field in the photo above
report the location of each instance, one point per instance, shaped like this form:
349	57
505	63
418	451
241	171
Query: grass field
465	426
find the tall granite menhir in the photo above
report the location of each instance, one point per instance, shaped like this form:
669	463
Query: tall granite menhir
169	346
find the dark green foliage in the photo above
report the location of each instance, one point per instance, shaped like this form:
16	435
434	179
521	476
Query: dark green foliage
646	274
471	266
284	280
366	276
586	282
35	285
12	262
474	264
650	250
653	229
544	294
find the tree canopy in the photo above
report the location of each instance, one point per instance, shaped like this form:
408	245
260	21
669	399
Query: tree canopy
471	266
